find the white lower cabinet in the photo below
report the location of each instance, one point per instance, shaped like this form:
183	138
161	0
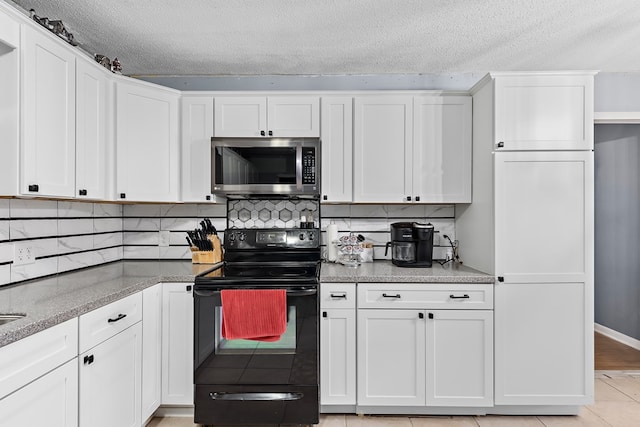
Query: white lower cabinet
51	400
338	344
391	358
110	381
177	344
459	358
151	350
423	345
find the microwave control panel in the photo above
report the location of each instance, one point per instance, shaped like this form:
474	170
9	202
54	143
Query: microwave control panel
308	165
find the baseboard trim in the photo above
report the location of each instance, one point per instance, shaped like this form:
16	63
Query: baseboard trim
618	336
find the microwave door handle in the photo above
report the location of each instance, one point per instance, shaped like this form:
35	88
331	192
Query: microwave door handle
299	166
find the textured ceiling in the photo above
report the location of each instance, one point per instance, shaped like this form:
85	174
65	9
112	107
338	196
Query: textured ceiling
311	37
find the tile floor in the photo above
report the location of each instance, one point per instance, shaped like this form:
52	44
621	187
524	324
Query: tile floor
617	404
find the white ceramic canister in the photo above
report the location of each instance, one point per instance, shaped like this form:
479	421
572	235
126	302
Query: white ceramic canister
332	238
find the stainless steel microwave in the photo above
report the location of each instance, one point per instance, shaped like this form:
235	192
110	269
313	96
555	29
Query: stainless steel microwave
265	166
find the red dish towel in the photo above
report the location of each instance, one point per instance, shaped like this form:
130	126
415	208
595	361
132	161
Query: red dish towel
254	314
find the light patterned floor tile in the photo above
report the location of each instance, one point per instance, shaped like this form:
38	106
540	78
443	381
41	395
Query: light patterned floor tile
586	418
618	414
172	422
605	392
508	421
443	422
628	385
377	421
332	420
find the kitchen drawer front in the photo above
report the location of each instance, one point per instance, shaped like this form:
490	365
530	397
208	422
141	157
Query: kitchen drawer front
103	323
439	296
25	360
337	295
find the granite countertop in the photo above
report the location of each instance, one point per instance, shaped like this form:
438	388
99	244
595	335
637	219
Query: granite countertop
385	271
53	300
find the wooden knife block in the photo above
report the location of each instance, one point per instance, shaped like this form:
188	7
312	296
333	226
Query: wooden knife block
208	257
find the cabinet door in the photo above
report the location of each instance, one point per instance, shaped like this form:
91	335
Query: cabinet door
544	216
110	381
240	116
197	130
544	112
177	344
544	343
151	350
91	128
51	400
147	143
48	156
383	135
391	357
459	358
442	149
293	116
338	356
337	149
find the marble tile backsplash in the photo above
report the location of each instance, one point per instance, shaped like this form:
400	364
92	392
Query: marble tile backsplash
64	236
69	235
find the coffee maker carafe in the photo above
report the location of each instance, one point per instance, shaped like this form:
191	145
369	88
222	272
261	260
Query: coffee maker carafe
411	244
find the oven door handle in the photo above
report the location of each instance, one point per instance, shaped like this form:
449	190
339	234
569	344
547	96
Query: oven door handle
290	292
256	396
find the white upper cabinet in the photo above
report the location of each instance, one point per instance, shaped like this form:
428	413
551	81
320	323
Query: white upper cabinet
442	149
91	130
544	216
147	146
383	140
337	148
48	124
544	111
197	130
256	116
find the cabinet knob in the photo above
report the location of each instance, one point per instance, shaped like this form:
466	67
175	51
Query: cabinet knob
408	198
501	279
123	196
430	315
88	360
270	133
325	197
262	132
324	314
82	192
420	315
34	187
208	197
188	288
417	198
501	144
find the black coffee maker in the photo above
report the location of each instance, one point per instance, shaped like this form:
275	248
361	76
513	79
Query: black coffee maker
411	244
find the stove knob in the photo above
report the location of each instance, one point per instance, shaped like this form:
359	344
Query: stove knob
232	236
242	237
311	236
301	236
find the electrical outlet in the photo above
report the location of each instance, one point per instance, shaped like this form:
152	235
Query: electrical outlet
436	238
23	254
164	238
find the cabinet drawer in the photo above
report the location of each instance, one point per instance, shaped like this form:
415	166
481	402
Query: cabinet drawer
25	360
425	296
337	295
104	322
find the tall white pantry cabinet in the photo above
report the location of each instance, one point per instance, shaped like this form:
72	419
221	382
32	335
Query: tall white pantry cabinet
531	225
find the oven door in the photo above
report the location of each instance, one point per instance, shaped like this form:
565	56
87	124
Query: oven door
252	382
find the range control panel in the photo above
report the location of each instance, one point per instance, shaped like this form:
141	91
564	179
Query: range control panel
253	238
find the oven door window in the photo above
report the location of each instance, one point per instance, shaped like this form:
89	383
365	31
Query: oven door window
255	165
285	345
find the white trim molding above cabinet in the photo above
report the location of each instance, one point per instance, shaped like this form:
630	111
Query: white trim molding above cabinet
147	147
411	149
266	116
